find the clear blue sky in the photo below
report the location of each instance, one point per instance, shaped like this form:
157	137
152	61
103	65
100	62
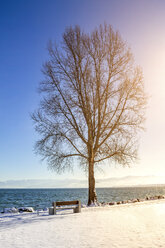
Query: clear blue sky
26	27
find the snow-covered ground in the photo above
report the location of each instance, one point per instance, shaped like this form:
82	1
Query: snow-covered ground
131	226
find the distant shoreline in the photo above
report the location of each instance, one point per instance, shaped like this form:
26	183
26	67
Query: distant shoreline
126	186
108	182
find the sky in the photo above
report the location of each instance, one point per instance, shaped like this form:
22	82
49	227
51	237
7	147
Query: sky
26	28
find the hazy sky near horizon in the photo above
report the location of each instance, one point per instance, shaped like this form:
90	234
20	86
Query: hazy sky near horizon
26	27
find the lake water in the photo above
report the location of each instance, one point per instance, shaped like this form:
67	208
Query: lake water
41	198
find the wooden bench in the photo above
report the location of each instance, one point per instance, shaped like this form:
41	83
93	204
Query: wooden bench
75	205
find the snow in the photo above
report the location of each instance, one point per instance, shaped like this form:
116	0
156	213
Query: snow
15	210
11	210
132	225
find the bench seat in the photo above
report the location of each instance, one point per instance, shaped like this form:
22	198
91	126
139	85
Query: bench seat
65	205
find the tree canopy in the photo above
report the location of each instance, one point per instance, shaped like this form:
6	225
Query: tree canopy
93	104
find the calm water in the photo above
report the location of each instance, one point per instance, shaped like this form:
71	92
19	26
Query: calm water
41	198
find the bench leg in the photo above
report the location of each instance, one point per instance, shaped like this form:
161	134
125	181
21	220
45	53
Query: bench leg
77	209
54	206
51	211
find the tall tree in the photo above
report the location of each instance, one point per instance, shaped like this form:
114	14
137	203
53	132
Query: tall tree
93	102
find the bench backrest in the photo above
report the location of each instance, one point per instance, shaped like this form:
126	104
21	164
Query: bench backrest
63	203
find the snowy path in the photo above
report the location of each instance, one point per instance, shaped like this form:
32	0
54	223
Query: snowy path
139	225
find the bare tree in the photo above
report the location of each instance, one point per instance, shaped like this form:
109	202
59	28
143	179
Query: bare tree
93	102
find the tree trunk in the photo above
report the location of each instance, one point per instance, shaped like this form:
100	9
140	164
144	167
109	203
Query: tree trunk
92	197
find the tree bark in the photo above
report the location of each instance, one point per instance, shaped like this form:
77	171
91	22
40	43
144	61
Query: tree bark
92	197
